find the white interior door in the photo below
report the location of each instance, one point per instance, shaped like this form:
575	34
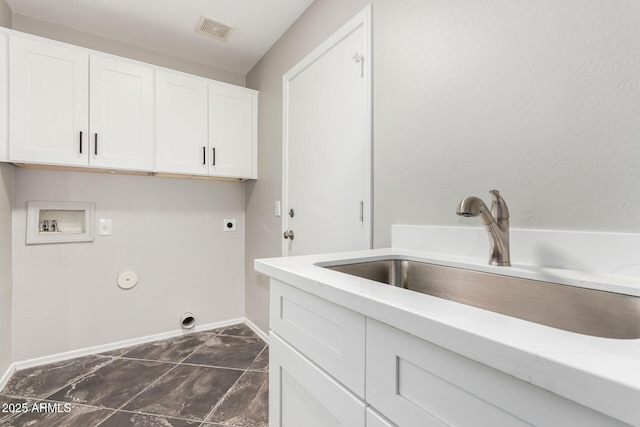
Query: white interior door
327	145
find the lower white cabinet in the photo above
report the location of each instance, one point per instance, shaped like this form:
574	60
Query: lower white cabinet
331	366
416	383
301	394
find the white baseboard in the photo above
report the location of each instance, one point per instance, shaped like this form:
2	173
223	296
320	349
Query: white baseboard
4	379
38	361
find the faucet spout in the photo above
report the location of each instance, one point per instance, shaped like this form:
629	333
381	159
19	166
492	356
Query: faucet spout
495	221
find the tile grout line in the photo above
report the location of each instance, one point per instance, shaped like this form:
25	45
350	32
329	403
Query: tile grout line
224	396
128	411
195	365
152	383
72	382
266	348
36	400
110	359
213	334
142	391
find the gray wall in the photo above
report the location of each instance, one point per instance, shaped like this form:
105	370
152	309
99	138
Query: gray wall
168	231
6	199
5	14
6	311
536	99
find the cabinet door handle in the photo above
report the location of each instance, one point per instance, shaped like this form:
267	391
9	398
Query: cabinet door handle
204	155
95	144
214	156
80	142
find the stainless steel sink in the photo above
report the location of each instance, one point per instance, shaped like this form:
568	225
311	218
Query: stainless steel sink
585	311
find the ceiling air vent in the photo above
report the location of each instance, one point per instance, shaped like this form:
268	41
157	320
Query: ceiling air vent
213	28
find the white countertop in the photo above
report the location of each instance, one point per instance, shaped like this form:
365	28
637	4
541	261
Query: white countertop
600	373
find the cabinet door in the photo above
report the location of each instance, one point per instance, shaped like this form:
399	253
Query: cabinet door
49	101
181	124
4	97
122	106
301	394
232	131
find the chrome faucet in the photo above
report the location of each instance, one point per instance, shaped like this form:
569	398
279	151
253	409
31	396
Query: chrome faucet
496	221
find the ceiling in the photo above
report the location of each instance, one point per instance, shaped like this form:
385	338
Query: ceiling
168	26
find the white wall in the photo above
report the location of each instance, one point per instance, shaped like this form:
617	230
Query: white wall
91	41
168	231
6	199
536	99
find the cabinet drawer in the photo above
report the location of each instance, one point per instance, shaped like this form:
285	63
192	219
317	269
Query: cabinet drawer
330	335
414	382
301	394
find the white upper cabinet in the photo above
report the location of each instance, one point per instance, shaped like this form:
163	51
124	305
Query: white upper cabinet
121	114
49	103
232	131
70	106
52	122
204	128
182	126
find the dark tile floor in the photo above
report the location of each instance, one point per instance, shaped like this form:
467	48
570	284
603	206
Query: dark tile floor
211	378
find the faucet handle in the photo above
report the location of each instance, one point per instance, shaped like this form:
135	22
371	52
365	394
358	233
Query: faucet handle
499	208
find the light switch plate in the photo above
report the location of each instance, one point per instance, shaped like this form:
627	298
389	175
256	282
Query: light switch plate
104	228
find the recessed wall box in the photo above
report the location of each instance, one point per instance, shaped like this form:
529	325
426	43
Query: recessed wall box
58	222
